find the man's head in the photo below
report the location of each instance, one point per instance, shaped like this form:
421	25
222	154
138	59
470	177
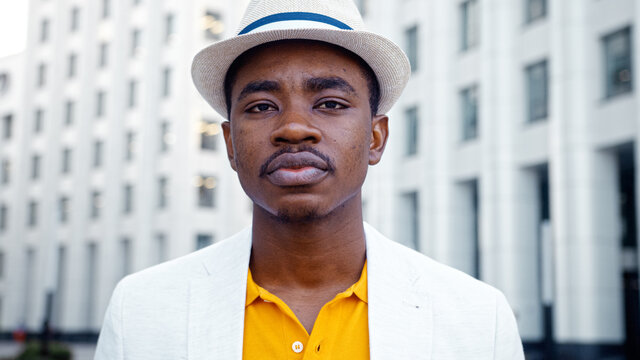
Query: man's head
302	133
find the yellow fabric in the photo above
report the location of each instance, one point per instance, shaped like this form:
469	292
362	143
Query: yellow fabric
341	330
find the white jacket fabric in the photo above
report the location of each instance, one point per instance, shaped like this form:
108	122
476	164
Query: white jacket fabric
193	308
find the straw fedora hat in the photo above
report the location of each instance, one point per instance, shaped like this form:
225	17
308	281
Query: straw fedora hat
333	21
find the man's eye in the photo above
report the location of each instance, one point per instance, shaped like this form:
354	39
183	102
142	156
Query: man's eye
333	105
261	108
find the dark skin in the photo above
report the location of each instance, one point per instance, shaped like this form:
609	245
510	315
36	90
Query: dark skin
307	103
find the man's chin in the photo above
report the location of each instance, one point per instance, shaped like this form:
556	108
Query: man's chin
298	216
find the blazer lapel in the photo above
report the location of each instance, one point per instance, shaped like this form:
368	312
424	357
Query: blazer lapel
400	318
216	301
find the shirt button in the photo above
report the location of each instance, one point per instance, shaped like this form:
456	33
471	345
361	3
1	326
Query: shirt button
297	347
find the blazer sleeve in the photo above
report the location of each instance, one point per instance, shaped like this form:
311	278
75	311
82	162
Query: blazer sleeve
110	342
507	342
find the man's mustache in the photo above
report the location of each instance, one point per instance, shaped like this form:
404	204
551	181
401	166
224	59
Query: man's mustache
293	150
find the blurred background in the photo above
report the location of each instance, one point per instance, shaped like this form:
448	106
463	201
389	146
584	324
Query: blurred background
513	157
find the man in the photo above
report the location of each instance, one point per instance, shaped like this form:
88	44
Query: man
305	90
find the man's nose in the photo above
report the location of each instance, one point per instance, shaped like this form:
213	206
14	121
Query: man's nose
295	127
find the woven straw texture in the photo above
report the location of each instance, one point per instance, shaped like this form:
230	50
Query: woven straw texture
387	60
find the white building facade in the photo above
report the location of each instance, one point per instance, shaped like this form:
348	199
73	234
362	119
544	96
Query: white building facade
513	156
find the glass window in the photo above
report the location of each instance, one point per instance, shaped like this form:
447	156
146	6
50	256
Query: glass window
206	194
125	256
100	103
133	87
208	131
166	82
163	191
35	167
161	247
410	216
534	10
71	65
98	146
469	102
470	21
96	204
6	171
136	35
169	27
213	25
42	75
167	138
4	83
66	161
411	118
32	213
69	111
38	120
3	217
130	146
128	199
7	126
203	240
63	209
618	62
537	91
44	30
106	8
411	35
103	55
75	18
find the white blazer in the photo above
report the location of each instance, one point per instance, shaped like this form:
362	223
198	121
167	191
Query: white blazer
193	308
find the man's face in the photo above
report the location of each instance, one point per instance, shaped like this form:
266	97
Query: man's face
301	135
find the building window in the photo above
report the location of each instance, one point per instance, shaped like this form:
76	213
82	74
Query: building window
130	148
128	199
206	194
35	167
136	35
6	171
75	18
618	62
208	131
166	82
96	204
167	138
106	8
410	218
411	116
71	65
169	27
161	247
203	240
537	91
4	83
66	161
534	10
470	21
163	192
42	75
63	209
91	285
100	103
213	25
7	126
69	111
469	104
411	35
103	55
44	30
125	256
3	217
133	87
98	146
38	120
32	213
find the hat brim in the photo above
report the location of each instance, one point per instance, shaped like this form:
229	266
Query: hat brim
386	59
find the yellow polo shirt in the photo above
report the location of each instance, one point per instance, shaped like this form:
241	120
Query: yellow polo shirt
272	330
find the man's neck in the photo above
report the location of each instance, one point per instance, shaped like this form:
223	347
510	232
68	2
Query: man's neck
327	253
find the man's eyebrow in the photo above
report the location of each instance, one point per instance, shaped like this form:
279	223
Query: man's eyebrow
258	86
324	83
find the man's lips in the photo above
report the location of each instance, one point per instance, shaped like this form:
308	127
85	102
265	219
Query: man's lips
297	169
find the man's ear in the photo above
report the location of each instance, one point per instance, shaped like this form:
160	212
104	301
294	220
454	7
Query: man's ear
379	135
226	132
